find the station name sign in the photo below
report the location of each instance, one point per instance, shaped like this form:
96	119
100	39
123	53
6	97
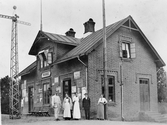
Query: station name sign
45	74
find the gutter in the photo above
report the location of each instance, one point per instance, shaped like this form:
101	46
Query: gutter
122	89
86	72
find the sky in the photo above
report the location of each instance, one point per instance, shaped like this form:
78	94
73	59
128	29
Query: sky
58	16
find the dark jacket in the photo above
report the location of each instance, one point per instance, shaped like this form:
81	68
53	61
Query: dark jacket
86	103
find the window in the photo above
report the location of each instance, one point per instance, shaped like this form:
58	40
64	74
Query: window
127	48
111	87
45	57
46	93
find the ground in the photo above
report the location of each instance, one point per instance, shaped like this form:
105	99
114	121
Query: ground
32	120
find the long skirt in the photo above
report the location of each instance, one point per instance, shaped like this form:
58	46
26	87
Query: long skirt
76	111
56	112
67	112
100	111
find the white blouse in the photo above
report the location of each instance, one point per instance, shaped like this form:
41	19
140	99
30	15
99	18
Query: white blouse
102	100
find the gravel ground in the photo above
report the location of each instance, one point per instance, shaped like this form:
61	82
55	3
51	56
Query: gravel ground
32	120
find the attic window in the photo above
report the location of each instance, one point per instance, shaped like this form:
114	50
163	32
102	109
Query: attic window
45	57
127	48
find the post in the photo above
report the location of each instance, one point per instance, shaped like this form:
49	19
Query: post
41	15
121	84
105	59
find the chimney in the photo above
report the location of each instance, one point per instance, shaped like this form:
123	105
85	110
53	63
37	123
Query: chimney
70	33
89	26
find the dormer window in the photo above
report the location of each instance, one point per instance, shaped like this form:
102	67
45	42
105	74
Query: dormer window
45	57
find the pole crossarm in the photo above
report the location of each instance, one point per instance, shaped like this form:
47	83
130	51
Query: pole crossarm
5	16
14	18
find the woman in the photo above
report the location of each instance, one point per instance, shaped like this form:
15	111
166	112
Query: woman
100	111
76	108
67	104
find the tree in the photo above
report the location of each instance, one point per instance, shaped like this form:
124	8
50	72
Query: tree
162	85
5	84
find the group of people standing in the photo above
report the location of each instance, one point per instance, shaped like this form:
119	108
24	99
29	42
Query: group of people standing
71	107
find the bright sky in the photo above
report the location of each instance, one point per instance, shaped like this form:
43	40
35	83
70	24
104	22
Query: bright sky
60	15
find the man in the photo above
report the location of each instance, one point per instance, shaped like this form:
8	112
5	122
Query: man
86	106
56	104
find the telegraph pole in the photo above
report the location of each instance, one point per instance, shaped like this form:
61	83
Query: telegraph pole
14	102
105	59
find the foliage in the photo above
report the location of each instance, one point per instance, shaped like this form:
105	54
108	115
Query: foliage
162	85
4	83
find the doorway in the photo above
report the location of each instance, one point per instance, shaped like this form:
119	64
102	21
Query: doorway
67	87
144	95
30	98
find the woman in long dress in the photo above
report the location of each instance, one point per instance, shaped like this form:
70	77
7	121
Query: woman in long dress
76	108
100	110
67	104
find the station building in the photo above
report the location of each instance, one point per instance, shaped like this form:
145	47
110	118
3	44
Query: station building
67	64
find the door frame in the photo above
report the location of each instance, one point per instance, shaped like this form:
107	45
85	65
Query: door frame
144	76
67	79
30	106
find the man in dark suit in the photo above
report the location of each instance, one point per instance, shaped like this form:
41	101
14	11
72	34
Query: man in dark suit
86	106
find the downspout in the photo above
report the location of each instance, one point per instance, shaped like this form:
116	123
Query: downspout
86	72
121	76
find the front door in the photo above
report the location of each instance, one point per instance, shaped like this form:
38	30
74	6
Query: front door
67	87
30	98
144	95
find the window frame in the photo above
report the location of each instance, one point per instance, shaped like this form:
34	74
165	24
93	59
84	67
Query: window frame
46	96
113	86
127	44
42	62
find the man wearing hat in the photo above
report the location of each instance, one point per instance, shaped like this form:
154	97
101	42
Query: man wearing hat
56	104
86	106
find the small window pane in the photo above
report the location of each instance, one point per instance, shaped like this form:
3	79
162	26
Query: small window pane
123	46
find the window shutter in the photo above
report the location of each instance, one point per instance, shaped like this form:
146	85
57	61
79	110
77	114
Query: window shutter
132	50
40	57
49	58
120	48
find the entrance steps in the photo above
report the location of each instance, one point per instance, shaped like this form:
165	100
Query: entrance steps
155	116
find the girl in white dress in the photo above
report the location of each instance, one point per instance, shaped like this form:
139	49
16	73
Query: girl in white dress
76	108
100	110
67	104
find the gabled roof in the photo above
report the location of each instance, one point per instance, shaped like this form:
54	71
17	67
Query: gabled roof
93	39
54	38
88	42
28	69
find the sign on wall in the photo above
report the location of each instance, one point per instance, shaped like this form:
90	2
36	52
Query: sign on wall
77	75
74	89
56	81
58	89
79	82
45	74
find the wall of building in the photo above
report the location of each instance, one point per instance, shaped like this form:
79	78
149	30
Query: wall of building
142	66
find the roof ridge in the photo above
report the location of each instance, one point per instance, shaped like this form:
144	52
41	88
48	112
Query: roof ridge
61	35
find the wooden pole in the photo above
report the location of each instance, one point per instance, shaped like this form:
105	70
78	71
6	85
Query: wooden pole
105	58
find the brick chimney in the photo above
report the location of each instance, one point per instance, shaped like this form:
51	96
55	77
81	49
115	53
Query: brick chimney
89	26
70	33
